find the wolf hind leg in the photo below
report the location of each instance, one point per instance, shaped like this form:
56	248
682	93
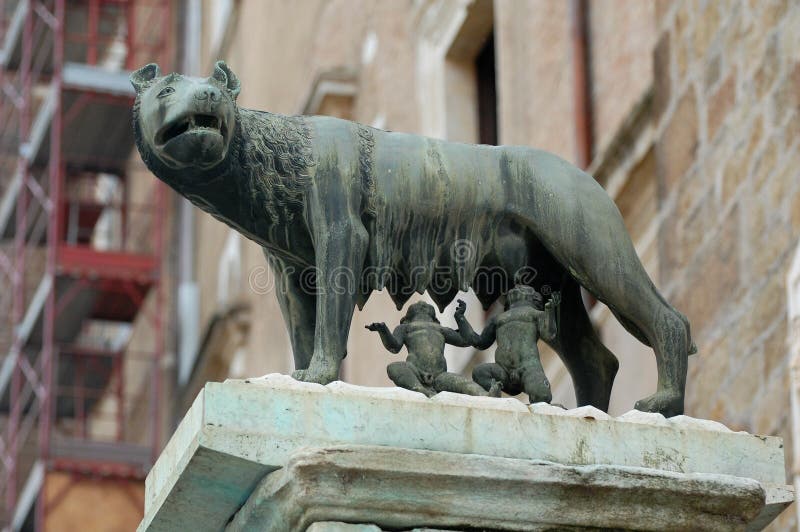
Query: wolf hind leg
590	363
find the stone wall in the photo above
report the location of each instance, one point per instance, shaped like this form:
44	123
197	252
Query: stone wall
727	104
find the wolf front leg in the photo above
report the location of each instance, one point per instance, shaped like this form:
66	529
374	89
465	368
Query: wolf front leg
340	249
298	305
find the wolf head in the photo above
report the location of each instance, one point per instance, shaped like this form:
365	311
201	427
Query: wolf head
185	123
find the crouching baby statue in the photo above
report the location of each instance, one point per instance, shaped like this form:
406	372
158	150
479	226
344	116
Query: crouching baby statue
365	209
517	366
425	370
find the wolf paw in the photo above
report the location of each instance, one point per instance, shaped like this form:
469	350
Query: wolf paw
665	402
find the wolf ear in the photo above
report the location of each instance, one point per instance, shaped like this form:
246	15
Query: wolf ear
142	77
225	75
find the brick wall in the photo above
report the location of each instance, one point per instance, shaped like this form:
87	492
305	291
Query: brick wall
727	105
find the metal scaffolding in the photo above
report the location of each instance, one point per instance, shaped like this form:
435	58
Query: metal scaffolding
82	333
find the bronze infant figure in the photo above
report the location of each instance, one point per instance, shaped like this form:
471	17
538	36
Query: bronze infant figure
425	369
365	209
517	366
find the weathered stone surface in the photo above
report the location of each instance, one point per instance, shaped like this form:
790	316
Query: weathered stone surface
776	350
238	432
682	23
400	488
719	105
546	409
345	388
769	69
676	150
471	401
712	72
279	380
338	526
586	412
738	166
776	497
686	422
662	80
646	418
714	277
706	25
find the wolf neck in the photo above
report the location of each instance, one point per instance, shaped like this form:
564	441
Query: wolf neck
275	160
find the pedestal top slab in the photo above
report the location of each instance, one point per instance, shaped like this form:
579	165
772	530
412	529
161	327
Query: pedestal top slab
237	432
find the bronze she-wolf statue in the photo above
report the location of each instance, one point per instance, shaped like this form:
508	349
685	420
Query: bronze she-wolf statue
365	209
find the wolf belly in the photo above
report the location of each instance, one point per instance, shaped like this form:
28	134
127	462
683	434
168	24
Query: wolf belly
462	230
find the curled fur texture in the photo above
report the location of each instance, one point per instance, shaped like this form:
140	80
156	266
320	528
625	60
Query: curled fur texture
366	141
275	153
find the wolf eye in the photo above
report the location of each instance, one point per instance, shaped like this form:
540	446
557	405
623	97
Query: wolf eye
165	91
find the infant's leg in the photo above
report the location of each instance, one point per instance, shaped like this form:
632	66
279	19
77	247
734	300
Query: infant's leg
490	374
452	382
405	376
534	381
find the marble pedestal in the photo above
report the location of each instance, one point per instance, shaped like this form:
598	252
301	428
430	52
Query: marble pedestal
273	454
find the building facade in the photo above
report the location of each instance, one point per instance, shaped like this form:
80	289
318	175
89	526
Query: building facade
686	111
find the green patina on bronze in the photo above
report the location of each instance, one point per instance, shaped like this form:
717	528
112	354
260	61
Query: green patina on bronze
367	210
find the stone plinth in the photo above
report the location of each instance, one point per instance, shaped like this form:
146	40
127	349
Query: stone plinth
276	454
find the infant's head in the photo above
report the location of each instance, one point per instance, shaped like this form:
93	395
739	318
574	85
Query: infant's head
420	311
524	293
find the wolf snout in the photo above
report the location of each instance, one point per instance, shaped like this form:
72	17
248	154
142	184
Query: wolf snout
208	94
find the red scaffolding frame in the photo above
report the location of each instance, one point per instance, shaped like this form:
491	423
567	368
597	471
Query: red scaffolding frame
83	278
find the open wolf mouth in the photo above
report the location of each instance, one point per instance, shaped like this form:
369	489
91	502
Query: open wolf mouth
191	123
